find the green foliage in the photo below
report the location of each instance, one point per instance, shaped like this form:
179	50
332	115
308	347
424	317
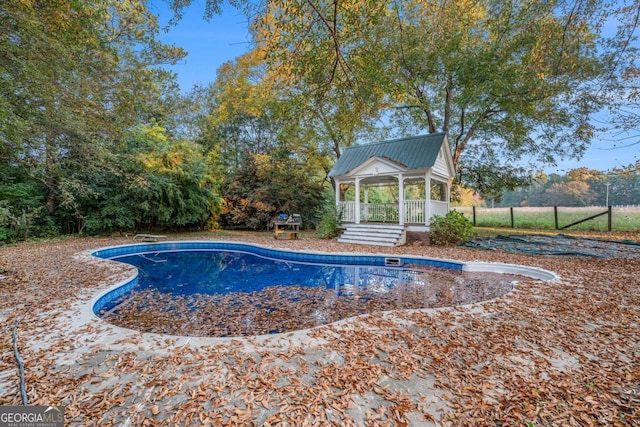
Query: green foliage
268	166
22	211
69	72
452	228
505	80
492	182
162	183
264	186
6	233
330	218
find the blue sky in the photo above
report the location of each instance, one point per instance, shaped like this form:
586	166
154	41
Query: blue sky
225	37
209	43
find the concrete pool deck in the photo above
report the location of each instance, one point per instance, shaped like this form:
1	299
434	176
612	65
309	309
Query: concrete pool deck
549	352
80	318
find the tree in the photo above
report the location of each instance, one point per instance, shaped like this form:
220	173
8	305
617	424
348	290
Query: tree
621	87
505	80
244	115
74	76
159	183
579	187
572	193
267	167
264	186
308	45
625	184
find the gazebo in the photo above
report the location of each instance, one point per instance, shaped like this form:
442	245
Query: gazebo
422	164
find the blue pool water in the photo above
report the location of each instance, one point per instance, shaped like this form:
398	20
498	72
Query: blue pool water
136	254
222	289
220	272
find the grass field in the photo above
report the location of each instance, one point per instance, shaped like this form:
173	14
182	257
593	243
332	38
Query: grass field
542	218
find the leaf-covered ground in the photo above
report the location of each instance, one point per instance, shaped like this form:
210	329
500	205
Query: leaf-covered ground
557	353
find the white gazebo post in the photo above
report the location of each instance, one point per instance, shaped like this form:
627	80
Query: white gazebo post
366	203
401	199
357	213
337	183
427	198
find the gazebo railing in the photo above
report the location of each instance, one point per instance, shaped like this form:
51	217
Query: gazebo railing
414	211
379	212
348	211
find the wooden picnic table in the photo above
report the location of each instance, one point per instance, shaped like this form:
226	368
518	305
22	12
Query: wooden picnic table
289	226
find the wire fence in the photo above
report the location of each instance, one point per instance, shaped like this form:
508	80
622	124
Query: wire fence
596	218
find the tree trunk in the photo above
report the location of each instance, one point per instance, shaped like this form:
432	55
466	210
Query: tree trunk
50	175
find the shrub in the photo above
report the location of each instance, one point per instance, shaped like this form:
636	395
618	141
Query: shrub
329	224
453	228
6	234
265	185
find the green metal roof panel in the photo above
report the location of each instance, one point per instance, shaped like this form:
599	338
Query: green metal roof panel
414	153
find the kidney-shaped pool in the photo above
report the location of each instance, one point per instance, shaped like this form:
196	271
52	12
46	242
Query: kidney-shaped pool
222	289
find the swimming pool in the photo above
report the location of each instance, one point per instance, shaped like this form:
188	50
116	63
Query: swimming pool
226	289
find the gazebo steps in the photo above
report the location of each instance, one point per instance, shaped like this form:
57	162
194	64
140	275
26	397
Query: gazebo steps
376	226
374	234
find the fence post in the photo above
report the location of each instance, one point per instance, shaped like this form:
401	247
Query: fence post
473	208
609	218
555	216
511	212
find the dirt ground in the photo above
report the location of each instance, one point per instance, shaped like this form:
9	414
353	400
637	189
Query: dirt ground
565	352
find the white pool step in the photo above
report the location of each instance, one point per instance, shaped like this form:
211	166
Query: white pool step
374	234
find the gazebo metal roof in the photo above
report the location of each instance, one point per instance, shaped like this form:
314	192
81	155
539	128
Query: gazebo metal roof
416	152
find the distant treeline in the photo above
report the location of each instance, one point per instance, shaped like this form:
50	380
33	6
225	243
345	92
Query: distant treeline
579	187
